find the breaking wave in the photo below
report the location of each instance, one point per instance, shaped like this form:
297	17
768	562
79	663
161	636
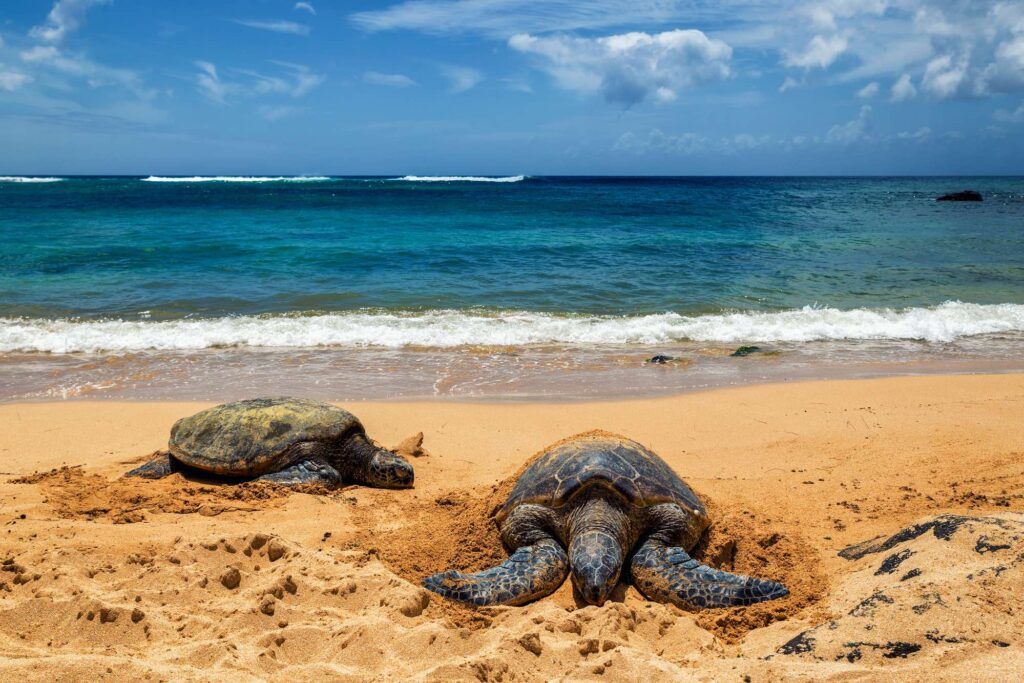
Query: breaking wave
27	179
449	328
234	179
461	179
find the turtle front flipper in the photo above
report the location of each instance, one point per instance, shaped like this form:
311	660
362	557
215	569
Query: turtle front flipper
309	471
530	573
668	574
161	466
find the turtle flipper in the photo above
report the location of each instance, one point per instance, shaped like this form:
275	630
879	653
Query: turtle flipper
161	466
668	574
311	471
531	572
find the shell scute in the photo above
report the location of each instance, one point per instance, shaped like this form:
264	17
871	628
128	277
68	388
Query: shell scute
603	460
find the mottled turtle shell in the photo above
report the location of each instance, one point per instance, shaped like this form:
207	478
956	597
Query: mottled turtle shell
253	437
611	462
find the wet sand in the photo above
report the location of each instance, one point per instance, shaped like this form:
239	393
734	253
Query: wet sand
107	579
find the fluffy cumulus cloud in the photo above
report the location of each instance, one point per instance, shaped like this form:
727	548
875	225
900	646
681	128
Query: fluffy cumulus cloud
65	17
903	89
868	91
630	67
852	131
819	53
12	80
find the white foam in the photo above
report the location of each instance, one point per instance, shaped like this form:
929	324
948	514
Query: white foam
446	329
27	179
234	179
461	179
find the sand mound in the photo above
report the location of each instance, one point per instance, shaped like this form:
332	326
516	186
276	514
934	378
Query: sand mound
457	530
74	493
947	584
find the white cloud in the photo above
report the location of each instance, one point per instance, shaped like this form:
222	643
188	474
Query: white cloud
851	131
820	52
390	80
12	80
903	89
294	80
289	27
306	7
1007	116
64	18
461	78
922	134
790	83
658	142
946	77
278	112
630	67
868	91
210	84
503	18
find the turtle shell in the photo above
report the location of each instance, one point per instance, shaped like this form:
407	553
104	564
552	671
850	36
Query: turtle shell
611	462
253	437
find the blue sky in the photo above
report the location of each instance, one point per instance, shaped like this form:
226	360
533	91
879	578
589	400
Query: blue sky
512	86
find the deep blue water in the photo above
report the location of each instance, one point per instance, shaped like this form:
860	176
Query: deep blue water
118	247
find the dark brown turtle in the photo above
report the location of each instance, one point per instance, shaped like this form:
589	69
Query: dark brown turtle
584	507
283	440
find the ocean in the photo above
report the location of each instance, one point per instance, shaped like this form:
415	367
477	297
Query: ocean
497	288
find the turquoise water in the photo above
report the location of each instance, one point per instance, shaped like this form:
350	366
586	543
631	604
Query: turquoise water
132	265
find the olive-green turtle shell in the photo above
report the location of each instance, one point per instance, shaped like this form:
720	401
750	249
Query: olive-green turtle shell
604	460
253	437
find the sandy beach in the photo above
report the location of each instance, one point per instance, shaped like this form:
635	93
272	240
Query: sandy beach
156	580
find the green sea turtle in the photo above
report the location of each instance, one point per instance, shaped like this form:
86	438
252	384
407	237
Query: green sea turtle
584	507
282	440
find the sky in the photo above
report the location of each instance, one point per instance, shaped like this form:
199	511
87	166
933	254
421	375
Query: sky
505	87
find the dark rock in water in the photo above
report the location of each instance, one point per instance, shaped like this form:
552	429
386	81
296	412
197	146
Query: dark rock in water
660	360
745	351
965	196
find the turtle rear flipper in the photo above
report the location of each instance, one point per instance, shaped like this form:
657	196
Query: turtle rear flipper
668	574
531	572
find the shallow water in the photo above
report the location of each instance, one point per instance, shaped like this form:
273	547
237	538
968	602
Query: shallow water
558	287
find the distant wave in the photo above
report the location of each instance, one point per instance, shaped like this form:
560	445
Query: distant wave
460	179
234	179
446	329
27	179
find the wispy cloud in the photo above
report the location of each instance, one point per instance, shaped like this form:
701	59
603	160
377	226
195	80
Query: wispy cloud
305	7
852	131
630	67
461	78
389	80
289	27
64	18
294	80
869	91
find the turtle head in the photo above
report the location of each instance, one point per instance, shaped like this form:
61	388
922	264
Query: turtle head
388	470
596	560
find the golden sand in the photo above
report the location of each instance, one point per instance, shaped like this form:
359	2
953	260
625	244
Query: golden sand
110	579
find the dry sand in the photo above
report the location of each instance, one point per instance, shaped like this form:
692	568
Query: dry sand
107	579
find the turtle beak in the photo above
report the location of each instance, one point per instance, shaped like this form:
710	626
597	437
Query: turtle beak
390	471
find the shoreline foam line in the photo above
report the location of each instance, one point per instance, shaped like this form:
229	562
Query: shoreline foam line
450	328
460	179
235	179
